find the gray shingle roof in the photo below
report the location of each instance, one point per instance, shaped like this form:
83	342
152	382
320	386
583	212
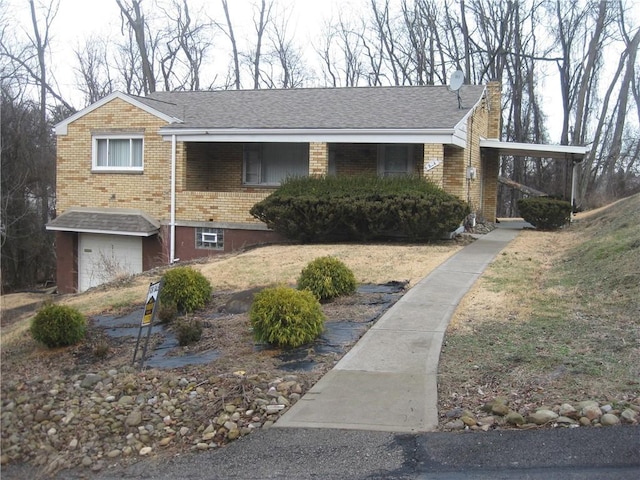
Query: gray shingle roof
133	222
414	107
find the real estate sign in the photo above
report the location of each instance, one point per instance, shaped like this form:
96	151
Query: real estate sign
150	307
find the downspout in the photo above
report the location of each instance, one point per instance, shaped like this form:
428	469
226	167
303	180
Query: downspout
172	221
574	176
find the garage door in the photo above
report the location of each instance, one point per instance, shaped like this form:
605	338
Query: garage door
102	258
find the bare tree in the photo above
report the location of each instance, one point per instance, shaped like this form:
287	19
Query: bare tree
186	40
260	25
234	46
287	57
94	73
133	18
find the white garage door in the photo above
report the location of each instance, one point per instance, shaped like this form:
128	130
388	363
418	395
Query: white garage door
102	258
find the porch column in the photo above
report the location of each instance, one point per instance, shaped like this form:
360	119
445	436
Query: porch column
490	166
318	159
434	163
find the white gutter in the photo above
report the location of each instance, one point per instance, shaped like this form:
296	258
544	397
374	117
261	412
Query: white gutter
99	232
575	152
165	132
172	222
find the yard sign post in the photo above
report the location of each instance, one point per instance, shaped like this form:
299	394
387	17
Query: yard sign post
150	308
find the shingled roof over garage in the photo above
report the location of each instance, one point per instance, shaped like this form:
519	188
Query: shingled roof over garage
114	221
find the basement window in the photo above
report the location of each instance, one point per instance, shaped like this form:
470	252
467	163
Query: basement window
209	238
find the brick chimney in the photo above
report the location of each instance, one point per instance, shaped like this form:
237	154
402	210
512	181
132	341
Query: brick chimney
494	104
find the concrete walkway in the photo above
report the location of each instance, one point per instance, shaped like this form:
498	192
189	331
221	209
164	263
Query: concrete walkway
388	380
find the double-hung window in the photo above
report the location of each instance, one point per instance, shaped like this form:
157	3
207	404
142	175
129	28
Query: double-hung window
395	159
271	163
118	153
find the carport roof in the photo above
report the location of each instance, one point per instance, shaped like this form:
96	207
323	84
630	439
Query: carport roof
111	221
561	152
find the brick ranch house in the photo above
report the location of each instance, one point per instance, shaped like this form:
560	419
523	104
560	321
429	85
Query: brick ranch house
147	181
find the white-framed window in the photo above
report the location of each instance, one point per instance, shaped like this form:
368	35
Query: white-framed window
270	163
118	153
395	159
210	238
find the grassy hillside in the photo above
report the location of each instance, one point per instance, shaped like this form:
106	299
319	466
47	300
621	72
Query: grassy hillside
556	318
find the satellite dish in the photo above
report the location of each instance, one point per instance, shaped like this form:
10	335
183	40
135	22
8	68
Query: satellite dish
456	80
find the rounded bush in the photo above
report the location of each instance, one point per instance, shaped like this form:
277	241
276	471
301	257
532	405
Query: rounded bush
286	317
58	326
545	213
186	288
327	278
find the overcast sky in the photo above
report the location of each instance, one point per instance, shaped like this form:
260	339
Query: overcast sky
78	20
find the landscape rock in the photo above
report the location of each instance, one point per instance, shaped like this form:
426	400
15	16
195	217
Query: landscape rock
90	380
629	415
591	411
542	416
567	410
609	419
454	425
514	418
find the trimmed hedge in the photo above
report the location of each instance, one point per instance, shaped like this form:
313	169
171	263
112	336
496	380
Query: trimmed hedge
545	213
360	208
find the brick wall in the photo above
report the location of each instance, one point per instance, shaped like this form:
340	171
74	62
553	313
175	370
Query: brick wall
433	160
318	158
484	122
491	164
215	167
78	186
219	206
362	158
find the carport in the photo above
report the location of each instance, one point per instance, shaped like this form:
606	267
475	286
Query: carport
569	153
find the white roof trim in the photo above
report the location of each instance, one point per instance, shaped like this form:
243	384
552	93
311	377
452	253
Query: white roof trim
101	232
381	135
61	128
575	152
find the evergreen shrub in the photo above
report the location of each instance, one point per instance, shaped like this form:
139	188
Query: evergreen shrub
188	331
360	208
327	278
545	213
186	288
286	317
58	326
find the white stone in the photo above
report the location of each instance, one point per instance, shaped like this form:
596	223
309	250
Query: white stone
145	451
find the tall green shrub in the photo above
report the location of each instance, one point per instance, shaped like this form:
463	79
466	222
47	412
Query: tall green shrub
185	288
327	278
545	213
286	317
357	208
58	326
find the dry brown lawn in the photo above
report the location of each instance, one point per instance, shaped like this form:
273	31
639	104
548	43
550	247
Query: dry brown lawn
373	263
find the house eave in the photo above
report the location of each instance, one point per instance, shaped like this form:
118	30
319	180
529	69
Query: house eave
100	232
378	135
569	152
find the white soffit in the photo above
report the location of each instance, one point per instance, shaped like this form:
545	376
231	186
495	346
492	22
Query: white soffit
562	152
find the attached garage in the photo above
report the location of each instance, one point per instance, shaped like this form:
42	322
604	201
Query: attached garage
107	244
102	258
